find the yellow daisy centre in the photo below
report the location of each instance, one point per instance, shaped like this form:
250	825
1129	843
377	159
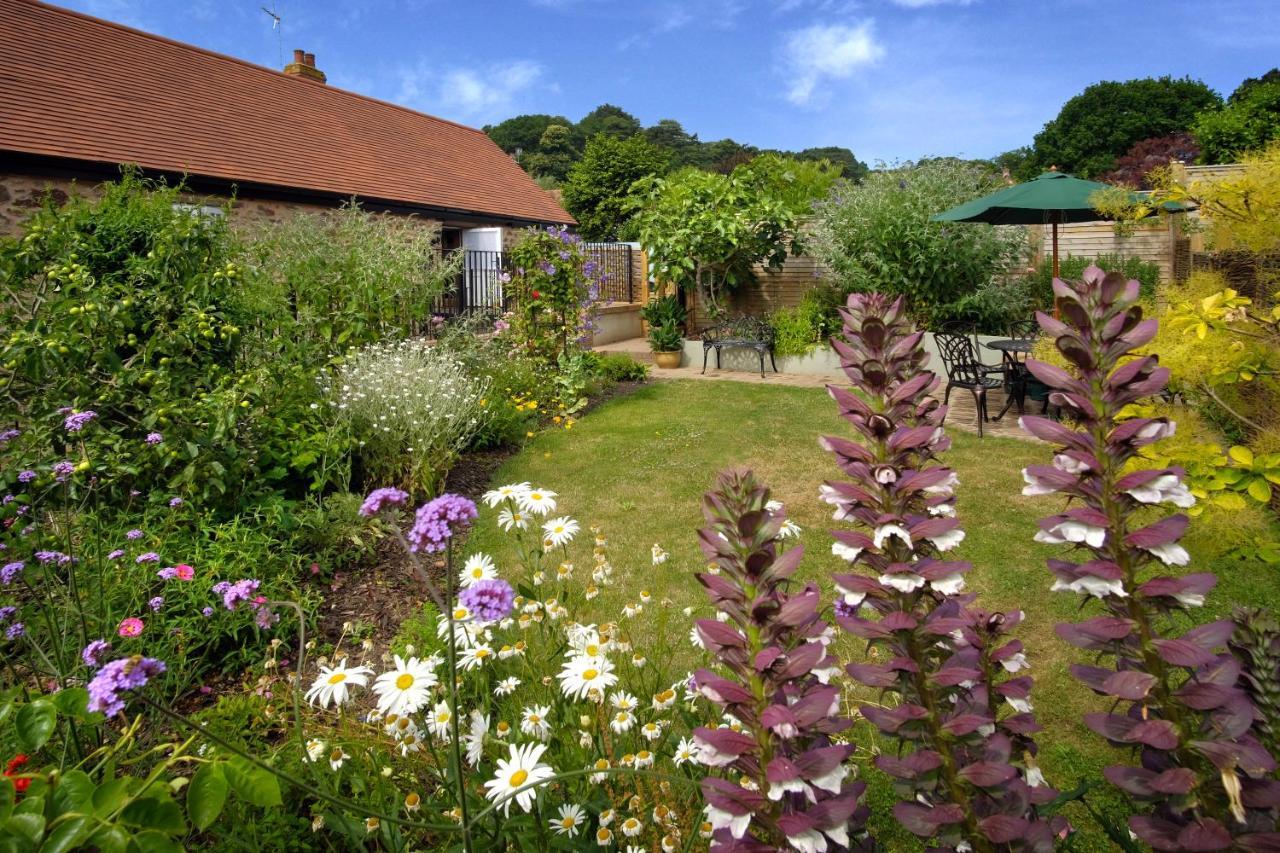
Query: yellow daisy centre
477	572
568	821
632	823
602	764
460	613
518	778
405	681
592	650
535	719
337	678
643	755
603	835
535	496
482	653
503	727
622	716
665	696
559	528
589	675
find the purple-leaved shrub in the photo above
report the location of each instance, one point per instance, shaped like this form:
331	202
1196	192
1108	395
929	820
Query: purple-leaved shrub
1204	780
793	787
961	713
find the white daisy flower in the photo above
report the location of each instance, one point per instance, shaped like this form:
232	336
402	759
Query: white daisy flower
686	752
522	767
513	492
475	656
534	722
439	719
474	738
622	722
664	699
651	731
569	820
405	689
604	836
659	555
479	567
622	700
600	764
337	757
538	501
631	827
510	520
582	674
560	531
332	684
506	686
315	749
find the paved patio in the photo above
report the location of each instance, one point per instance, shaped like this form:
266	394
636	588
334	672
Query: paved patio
962	415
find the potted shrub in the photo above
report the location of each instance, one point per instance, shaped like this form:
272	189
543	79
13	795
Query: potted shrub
665	317
667	343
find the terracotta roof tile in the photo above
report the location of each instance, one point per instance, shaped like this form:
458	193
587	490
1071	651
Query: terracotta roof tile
78	87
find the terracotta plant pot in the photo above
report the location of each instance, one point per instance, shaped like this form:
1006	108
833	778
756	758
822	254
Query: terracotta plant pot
668	360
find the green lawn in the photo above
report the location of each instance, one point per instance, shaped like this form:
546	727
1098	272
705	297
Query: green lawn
639	465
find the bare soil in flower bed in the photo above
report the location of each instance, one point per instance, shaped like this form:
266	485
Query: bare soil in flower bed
383	594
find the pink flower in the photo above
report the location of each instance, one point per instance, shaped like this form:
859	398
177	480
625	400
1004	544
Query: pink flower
183	572
130	627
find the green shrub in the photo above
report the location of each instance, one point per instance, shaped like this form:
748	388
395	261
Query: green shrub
1040	283
800	330
620	367
663	310
412	408
877	236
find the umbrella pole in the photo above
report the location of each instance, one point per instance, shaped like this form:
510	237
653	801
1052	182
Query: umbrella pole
1056	312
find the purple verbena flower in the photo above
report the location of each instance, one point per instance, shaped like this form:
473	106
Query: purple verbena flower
156	603
133	534
14	631
488	600
153	438
9	435
11	571
148	557
380	499
77	421
438	520
235	593
63	470
175	502
117	677
115	554
7	612
95	650
26	476
206	612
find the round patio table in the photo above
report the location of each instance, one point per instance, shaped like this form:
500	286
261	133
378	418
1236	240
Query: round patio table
1015	371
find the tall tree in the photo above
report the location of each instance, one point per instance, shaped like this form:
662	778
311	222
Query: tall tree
1019	163
555	153
599	188
1106	119
670	134
522	133
610	120
1248	122
850	167
1272	76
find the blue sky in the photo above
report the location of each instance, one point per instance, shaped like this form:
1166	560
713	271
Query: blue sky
890	79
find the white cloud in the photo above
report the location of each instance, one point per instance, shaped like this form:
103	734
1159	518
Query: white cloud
827	52
476	95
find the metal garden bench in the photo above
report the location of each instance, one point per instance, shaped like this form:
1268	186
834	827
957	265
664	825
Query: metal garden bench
743	332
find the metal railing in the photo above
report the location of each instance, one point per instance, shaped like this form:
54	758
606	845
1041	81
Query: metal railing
479	285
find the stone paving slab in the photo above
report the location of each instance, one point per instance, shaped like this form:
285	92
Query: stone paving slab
962	415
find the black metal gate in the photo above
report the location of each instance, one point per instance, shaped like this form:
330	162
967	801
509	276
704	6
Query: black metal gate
479	285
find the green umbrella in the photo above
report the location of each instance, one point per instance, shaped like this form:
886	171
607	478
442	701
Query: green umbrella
1050	199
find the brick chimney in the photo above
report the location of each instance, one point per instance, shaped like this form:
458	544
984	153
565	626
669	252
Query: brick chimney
304	65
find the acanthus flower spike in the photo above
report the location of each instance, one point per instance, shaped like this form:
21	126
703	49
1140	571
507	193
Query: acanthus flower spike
1204	776
965	773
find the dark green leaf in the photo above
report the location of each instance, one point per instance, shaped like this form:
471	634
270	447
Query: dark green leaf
35	724
206	795
253	784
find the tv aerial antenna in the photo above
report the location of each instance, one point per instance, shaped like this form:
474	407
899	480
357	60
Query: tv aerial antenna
277	29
